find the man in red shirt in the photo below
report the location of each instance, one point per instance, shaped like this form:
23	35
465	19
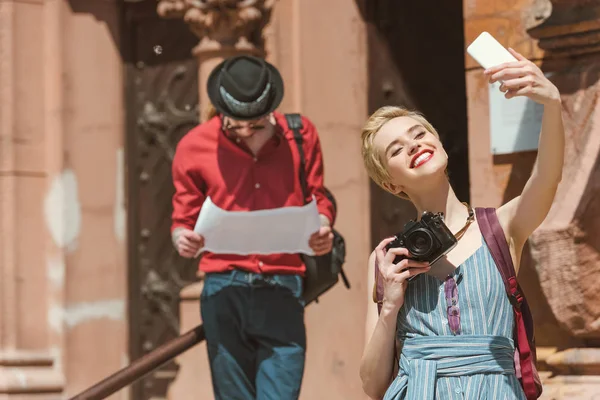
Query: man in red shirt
245	159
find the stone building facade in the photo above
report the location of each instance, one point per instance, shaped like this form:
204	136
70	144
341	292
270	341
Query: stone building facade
94	95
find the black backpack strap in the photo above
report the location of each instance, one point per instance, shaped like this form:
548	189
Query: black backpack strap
294	122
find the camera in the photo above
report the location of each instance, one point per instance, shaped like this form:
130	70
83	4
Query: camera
427	239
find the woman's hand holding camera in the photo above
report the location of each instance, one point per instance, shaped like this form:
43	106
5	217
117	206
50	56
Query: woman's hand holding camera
395	275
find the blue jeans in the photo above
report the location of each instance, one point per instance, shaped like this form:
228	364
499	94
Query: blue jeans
255	334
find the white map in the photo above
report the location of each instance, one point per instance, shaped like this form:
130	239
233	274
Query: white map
278	230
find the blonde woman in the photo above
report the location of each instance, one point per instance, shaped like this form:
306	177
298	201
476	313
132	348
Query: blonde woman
404	155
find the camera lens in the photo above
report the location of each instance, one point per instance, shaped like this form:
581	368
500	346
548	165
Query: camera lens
419	242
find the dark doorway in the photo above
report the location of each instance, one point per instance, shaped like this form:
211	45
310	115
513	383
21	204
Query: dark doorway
162	106
416	60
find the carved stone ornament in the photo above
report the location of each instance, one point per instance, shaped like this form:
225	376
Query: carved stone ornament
236	23
171	8
565	27
566	248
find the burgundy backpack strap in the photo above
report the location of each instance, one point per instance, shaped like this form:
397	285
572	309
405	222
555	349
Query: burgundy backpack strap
378	288
496	241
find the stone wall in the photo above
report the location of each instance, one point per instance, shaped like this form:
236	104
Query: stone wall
63	321
560	265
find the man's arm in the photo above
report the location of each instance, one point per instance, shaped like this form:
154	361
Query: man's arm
314	173
188	197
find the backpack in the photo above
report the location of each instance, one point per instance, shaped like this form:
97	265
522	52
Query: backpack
322	272
525	353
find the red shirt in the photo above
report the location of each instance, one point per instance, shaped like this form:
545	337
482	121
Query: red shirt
209	163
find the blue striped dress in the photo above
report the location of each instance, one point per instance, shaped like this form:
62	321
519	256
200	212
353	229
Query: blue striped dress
478	363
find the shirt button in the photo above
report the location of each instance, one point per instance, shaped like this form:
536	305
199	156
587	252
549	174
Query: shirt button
257	186
457	390
255	159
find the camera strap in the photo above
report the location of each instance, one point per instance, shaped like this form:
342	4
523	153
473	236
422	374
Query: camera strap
470	220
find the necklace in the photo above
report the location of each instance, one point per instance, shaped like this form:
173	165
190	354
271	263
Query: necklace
470	219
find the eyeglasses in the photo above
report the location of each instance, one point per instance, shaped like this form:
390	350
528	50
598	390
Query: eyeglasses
451	291
236	128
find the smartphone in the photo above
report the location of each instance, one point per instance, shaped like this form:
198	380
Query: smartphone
488	52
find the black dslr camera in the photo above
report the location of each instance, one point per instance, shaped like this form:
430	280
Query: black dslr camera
427	239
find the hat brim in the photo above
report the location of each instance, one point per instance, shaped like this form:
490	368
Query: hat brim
214	94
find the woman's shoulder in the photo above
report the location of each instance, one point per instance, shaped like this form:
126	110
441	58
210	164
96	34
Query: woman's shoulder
507	210
506	214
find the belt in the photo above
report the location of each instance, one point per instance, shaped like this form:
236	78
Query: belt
424	359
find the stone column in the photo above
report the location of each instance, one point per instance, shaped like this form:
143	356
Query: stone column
62	256
30	265
225	28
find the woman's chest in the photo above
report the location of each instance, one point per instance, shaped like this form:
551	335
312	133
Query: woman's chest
472	296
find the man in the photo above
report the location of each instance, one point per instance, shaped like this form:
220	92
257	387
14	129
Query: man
245	159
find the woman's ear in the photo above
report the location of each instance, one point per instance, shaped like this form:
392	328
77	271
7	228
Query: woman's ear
390	187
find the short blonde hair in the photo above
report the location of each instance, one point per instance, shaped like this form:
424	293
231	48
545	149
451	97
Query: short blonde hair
374	161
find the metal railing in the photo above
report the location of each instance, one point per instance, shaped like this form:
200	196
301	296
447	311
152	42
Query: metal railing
142	366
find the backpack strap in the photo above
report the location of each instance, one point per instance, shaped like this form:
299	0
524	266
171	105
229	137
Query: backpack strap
493	235
294	122
378	288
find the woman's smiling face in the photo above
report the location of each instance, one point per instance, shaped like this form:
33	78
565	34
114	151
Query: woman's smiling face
410	153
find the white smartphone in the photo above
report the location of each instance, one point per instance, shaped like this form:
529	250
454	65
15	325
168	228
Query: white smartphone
488	52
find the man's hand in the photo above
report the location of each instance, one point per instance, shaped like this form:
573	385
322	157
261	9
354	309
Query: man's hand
188	242
321	241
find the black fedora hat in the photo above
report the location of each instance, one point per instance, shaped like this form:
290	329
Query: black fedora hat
245	88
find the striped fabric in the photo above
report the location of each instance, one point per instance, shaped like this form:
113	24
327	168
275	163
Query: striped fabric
478	363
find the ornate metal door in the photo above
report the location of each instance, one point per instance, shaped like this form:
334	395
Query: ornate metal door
162	105
416	60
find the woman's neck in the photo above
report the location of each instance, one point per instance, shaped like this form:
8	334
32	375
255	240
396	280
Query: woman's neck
441	198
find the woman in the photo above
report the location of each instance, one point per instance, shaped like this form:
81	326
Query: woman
404	155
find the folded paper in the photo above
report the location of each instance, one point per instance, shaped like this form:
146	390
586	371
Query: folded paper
272	231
